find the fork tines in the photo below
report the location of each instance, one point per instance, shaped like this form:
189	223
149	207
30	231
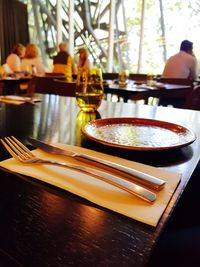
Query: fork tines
15	147
24	155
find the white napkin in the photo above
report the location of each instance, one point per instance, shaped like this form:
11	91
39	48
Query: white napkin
17	100
97	191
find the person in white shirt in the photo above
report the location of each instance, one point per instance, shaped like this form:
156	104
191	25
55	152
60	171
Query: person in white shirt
183	64
32	61
13	61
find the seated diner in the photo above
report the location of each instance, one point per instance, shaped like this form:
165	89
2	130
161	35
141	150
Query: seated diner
183	64
63	62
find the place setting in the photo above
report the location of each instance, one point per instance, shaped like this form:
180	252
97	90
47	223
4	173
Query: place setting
136	190
142	201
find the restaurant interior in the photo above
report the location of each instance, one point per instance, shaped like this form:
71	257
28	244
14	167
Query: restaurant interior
99	156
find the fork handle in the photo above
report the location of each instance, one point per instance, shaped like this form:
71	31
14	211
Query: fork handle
126	185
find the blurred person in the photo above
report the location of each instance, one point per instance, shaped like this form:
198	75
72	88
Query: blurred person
83	60
183	64
63	62
32	61
13	61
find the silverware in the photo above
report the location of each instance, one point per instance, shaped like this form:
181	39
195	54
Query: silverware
23	154
128	173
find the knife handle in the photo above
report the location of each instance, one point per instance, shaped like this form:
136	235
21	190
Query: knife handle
129	173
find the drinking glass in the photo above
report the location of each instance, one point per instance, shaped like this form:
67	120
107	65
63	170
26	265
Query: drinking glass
89	89
150	79
123	78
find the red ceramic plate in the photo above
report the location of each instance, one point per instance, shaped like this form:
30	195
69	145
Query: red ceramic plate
138	134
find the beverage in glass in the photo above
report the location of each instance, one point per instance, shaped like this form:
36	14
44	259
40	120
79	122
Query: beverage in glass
150	79
123	78
89	89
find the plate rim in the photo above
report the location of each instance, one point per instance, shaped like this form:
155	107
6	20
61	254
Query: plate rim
153	122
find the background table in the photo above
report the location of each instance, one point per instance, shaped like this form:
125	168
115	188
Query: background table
42	225
169	94
11	85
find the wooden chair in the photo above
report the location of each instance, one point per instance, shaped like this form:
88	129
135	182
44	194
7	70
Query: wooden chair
43	84
175	81
175	98
132	76
110	76
55	75
193	99
64	88
138	77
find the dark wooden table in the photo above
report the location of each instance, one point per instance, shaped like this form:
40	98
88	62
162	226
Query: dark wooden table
131	90
11	85
42	225
167	93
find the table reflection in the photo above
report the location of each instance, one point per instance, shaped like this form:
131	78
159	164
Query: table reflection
82	119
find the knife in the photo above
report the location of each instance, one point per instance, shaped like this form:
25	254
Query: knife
128	173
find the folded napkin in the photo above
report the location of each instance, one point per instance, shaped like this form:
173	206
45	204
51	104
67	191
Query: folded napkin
17	100
96	190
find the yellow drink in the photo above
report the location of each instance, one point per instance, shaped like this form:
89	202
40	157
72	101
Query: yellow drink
89	90
123	78
89	101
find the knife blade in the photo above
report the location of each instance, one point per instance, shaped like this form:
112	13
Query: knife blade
129	173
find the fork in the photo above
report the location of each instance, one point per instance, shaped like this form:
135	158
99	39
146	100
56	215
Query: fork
24	155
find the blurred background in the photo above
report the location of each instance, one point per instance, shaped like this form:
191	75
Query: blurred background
137	35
